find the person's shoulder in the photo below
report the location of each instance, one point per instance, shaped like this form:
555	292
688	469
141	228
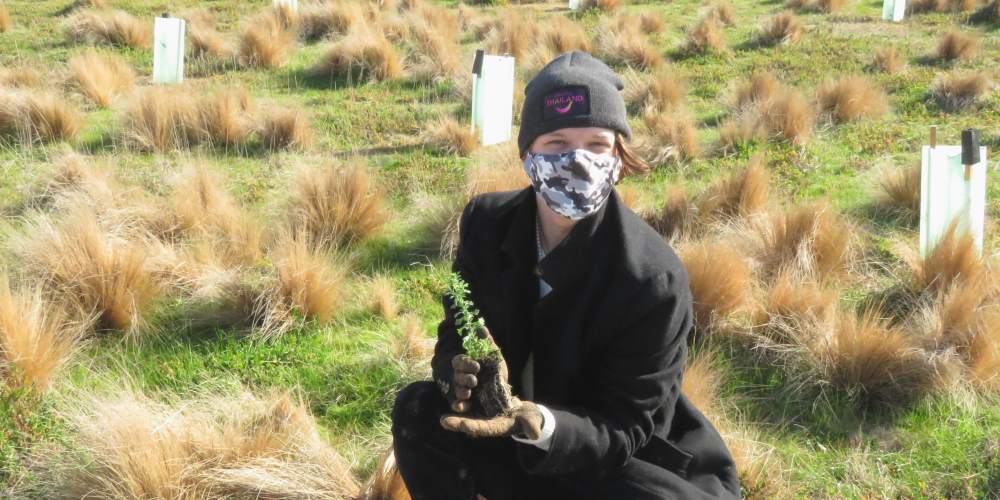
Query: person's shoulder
494	204
646	254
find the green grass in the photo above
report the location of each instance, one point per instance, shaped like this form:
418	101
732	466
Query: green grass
944	446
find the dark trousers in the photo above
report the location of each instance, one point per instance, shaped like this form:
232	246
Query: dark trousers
437	464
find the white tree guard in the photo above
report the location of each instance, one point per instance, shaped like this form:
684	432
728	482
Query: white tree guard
945	195
168	50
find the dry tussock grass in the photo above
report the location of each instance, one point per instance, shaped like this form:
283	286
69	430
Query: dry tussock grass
723	11
887	60
212	446
952	259
720	281
91	271
264	42
850	98
286	128
944	6
226	116
600	5
662	91
336	205
626	45
668	135
437	57
812	239
383	298
989	13
114	27
160	119
32	116
901	190
101	77
741	194
675	218
386	483
765	109
984	352
872	360
362	55
6	23
308	279
320	20
21	76
450	137
794	302
202	209
957	46
36	339
957	91
706	37
207	43
513	34
783	28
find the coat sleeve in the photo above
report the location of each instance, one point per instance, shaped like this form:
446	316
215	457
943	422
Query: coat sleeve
638	374
449	343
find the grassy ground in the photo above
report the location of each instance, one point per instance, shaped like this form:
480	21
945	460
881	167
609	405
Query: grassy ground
943	446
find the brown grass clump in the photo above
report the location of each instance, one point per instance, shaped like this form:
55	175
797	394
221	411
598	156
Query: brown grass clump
361	55
831	6
741	194
320	20
887	60
956	91
601	5
21	76
989	13
901	190
160	119
114	27
101	77
38	116
206	42
513	34
953	258
285	128
706	37
701	383
923	6
663	91
723	11
308	279
384	298
90	270
788	116
957	46
870	359
225	116
203	210
36	339
336	205
984	352
720	280
811	238
437	56
851	98
6	23
386	483
564	35
783	28
761	87
794	298
676	217
264	43
451	137
213	446
627	45
670	135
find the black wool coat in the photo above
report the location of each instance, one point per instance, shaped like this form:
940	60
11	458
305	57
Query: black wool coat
609	344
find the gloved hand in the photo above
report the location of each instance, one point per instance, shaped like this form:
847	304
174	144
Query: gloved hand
463	381
524	421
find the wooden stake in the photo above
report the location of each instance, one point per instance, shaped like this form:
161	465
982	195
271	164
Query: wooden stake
933	136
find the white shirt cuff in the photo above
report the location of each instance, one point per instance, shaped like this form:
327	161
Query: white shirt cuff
548	429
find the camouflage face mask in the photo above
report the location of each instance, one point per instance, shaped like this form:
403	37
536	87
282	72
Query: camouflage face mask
574	184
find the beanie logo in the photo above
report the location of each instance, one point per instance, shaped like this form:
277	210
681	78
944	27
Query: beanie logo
566	102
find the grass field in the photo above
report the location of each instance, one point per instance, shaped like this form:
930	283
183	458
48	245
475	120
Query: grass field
805	429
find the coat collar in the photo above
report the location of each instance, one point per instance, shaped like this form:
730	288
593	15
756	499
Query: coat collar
572	257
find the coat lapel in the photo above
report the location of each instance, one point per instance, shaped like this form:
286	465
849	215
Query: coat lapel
519	285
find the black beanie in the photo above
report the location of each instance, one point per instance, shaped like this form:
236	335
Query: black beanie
574	90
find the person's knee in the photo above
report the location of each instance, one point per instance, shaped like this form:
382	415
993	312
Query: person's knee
417	407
